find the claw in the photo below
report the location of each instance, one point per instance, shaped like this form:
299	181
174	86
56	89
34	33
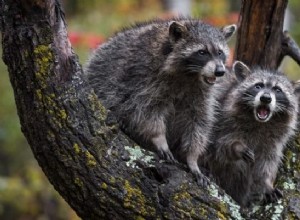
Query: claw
248	155
167	155
164	153
278	193
201	179
273	196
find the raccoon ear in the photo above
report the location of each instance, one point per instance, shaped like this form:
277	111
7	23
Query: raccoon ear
177	31
228	31
241	70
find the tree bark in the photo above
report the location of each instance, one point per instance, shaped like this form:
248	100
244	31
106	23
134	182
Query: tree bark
260	38
99	171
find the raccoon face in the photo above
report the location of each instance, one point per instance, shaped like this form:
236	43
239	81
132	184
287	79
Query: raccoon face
266	94
199	50
266	97
207	63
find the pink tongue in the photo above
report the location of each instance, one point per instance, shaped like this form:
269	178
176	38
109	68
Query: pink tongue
263	113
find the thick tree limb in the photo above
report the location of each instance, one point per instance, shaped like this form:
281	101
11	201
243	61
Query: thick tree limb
80	149
89	161
289	48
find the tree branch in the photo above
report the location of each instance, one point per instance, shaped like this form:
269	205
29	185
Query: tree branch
289	48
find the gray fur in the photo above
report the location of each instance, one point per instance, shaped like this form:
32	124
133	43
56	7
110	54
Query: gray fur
246	152
160	101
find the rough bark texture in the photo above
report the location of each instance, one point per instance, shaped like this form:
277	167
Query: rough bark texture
89	161
260	33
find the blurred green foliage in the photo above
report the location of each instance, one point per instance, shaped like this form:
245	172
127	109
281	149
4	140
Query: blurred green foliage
10	134
207	8
107	17
289	66
294	6
25	193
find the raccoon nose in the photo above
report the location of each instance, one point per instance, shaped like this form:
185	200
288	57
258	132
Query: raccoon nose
266	98
220	70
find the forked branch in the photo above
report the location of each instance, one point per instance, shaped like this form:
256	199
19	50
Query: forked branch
289	48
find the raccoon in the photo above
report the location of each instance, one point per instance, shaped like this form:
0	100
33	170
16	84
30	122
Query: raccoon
257	116
157	78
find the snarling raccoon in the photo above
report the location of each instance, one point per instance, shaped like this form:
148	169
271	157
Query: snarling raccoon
257	117
157	78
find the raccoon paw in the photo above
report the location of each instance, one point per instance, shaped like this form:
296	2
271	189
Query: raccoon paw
273	196
201	179
248	155
166	155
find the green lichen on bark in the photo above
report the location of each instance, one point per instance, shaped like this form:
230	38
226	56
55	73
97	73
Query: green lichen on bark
91	161
76	148
97	107
226	204
104	186
43	58
137	153
78	182
44	96
135	199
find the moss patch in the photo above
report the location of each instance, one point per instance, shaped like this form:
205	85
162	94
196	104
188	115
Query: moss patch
135	200
91	161
78	182
97	107
104	186
76	148
43	58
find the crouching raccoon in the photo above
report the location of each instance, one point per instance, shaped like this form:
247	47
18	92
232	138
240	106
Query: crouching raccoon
257	117
157	78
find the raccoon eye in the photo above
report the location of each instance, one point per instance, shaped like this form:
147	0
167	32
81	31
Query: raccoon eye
220	52
277	89
259	86
202	52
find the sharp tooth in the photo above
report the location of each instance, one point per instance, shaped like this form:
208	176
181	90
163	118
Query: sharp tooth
211	79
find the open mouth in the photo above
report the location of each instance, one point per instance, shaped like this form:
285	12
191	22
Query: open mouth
262	113
210	80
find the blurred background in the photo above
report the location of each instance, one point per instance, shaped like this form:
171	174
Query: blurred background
25	193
